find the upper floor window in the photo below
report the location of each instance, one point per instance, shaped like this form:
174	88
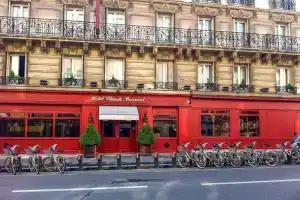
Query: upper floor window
164	75
283	4
282	30
114	73
72	71
283	76
241	75
240	26
16	70
205	24
19	10
115	17
74	14
205	73
164	21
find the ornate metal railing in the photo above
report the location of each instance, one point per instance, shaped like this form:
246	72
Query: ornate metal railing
242	88
114	83
286	89
205	1
14	80
207	86
242	2
71	82
166	85
32	27
283	4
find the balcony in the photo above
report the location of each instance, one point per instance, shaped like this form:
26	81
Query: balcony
242	88
286	89
207	86
204	1
242	2
283	4
144	35
166	85
114	84
16	80
71	82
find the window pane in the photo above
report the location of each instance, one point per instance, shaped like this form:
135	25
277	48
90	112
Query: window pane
249	126
67	128
124	129
200	74
70	115
12	127
236	75
243	75
13	115
40	115
40	128
108	129
215	125
165	128
207	125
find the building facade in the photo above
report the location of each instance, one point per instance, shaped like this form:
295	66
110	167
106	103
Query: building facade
206	70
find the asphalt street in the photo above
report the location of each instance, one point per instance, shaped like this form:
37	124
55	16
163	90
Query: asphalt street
262	183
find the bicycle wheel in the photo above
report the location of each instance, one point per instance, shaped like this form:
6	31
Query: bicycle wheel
219	161
201	161
31	164
49	164
235	160
8	164
61	164
253	160
182	160
14	166
282	158
37	165
272	159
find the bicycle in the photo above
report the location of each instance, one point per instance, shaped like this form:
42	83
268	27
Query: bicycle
33	160
11	162
215	157
54	162
283	153
249	156
232	157
270	157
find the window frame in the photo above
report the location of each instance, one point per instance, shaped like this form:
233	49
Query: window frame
72	58
168	76
215	112
107	60
171	117
204	78
239	21
211	20
74	9
9	62
115	13
239	81
22	6
287	29
241	114
282	74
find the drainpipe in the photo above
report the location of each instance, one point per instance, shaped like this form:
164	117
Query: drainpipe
97	17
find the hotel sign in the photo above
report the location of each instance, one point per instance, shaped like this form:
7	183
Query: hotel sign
117	99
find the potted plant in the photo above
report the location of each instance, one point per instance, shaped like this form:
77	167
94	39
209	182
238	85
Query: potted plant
69	80
289	88
145	139
89	140
113	82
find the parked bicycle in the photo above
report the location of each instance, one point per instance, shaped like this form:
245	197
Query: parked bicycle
184	158
232	157
284	153
11	162
269	157
248	155
53	161
33	160
215	157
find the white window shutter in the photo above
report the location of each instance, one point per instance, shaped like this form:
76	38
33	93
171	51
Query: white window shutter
66	65
25	12
109	70
159	72
15	62
278	76
118	70
78	68
236	75
200	74
170	71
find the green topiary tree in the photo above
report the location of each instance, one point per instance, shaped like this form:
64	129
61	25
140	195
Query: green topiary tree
146	135
90	137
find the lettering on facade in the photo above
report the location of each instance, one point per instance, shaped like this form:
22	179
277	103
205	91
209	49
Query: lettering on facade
117	99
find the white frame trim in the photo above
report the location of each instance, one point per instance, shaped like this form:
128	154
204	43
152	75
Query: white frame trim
241	21
239	73
115	11
71	56
69	7
213	72
8	63
287	26
206	18
106	65
11	4
281	74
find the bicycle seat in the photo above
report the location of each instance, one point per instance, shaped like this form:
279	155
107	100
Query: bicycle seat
53	147
13	149
267	145
34	148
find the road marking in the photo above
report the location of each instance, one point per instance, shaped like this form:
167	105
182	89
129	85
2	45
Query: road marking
251	182
80	189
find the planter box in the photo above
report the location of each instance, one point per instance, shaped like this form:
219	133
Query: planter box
145	150
89	151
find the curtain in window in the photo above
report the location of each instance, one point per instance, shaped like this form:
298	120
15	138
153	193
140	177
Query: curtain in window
114	69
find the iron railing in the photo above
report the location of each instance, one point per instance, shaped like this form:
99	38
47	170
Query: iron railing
72	82
283	4
286	89
242	2
205	1
76	30
114	83
207	86
16	80
242	88
166	85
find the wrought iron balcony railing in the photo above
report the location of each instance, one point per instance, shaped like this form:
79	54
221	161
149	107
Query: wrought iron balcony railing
205	1
242	2
283	4
86	31
16	80
286	89
114	83
166	85
207	86
242	88
72	82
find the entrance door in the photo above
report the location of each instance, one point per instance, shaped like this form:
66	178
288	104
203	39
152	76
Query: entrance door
118	136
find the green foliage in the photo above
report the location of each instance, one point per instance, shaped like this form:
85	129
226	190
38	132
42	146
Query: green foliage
146	135
90	137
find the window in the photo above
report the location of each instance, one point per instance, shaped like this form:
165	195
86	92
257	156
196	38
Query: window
165	126
282	30
12	124
19	10
205	27
72	68
115	27
241	75
67	125
249	123
240	26
281	42
74	14
40	125
215	123
164	29
282	76
240	38
16	72
115	17
114	73
164	75
205	73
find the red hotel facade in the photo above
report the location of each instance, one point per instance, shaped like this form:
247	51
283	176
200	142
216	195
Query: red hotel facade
49	117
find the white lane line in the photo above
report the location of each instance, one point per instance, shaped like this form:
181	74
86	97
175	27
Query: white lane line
80	189
251	182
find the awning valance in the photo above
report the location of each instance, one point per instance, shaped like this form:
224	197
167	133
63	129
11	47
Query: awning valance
118	113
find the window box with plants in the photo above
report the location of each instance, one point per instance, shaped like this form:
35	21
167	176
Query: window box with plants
145	138
90	139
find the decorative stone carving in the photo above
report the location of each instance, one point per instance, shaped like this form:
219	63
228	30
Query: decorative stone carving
116	4
165	7
285	18
276	58
44	45
189	53
256	57
179	53
29	45
2	45
198	54
205	11
102	48
57	46
233	56
128	51
221	55
154	51
115	52
142	51
86	47
241	14
266	58
296	60
74	2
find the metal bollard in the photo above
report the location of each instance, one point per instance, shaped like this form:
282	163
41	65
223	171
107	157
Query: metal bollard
119	164
155	157
99	161
80	162
20	163
174	159
39	163
138	160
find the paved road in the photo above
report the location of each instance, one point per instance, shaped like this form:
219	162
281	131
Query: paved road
281	183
